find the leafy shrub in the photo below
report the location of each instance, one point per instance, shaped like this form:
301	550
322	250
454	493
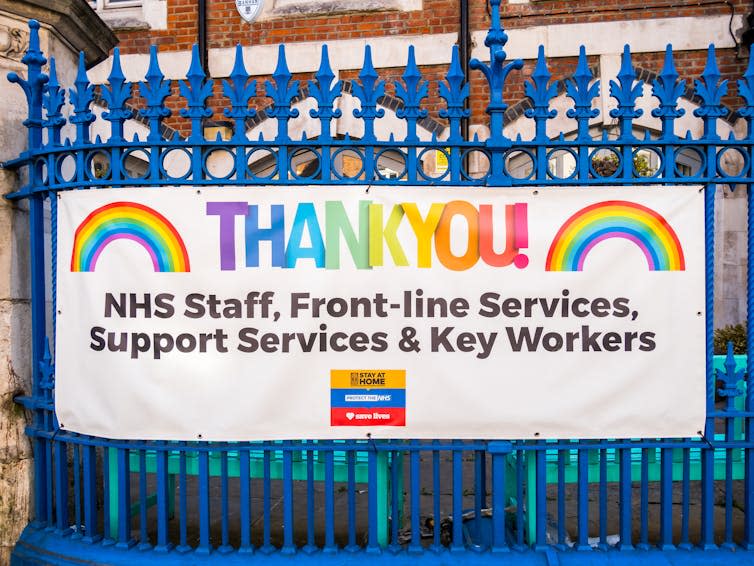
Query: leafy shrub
607	164
731	333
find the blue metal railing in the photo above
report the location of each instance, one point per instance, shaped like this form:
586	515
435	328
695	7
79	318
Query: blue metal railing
388	499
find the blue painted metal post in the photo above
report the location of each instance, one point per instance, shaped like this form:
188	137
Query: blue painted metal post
33	88
496	74
500	451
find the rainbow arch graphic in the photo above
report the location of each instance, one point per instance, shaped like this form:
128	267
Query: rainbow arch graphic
615	219
129	221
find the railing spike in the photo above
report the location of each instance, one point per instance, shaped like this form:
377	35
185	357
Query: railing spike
626	93
155	89
325	93
196	90
711	90
455	91
582	93
239	90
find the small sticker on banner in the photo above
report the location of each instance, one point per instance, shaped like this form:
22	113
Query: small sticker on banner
367	397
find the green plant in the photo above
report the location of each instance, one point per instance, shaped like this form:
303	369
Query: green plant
606	165
731	333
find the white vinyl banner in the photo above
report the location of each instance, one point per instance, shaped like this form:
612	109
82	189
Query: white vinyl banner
337	312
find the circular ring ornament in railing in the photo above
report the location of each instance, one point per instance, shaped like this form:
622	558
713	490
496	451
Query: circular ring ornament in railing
466	157
65	168
218	175
98	167
345	151
40	166
740	165
557	153
515	153
420	165
605	162
694	157
261	160
384	152
136	154
312	174
170	153
639	168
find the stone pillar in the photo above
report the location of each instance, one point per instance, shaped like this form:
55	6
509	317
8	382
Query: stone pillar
67	27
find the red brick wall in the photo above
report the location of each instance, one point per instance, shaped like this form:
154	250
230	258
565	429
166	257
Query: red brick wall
225	28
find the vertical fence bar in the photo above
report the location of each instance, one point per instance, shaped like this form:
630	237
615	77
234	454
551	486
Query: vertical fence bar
107	503
540	502
686	500
183	502
603	499
520	523
288	546
266	502
124	499
61	488
396	498
205	546
644	501
666	499
749	452
351	465
499	452
561	498
225	546
330	547
415	544
707	541
626	511
90	494
436	509
161	463
373	545
244	477
77	491
457	542
310	545
143	536
582	512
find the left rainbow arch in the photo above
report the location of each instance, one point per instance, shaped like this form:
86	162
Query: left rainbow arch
616	219
129	221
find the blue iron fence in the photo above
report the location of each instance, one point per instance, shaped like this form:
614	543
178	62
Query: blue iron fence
554	500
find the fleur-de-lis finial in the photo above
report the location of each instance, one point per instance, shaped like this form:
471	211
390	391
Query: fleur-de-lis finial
325	92
239	90
369	90
667	89
47	369
53	101
711	91
626	93
582	93
282	93
116	94
541	93
196	90
33	86
496	72
730	378
155	89
412	91
455	91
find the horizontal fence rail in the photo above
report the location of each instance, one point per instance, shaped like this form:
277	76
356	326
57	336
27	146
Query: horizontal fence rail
385	498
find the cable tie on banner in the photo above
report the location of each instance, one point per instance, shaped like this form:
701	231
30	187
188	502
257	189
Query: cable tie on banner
371	441
706	440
